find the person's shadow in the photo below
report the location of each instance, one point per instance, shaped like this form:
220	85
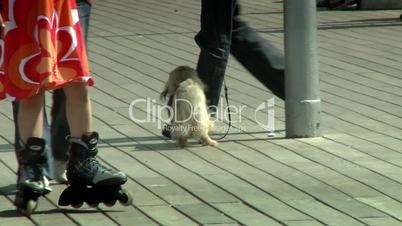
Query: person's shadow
10	190
14	213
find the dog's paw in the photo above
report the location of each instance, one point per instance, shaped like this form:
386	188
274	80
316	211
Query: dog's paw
181	142
213	143
208	141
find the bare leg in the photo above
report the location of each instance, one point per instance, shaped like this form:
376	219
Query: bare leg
83	167
78	108
31	155
30	117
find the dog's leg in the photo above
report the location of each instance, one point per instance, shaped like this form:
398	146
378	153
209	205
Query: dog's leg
181	141
206	140
170	104
211	125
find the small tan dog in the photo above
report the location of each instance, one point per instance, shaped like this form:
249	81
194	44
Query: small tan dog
185	93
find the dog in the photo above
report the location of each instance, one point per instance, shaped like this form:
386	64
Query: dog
186	97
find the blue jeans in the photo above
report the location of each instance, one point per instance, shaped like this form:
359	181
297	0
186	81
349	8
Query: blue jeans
223	32
59	128
84	12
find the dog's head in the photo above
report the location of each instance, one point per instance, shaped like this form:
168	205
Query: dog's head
177	76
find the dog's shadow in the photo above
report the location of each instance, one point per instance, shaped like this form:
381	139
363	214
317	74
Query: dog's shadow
161	143
143	143
149	143
167	146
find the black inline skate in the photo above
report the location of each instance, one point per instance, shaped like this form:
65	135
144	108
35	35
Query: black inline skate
90	181
31	182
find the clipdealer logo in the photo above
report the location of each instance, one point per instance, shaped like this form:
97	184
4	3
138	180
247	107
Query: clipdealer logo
264	113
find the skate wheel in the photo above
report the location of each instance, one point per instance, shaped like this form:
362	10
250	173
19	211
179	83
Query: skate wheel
93	204
77	205
111	203
127	199
30	208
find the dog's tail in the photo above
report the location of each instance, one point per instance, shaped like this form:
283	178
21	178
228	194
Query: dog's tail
163	95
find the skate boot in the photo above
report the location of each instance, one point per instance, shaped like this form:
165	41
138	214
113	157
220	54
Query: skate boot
89	180
31	180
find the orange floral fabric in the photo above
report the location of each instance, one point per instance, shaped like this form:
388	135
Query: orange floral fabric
42	47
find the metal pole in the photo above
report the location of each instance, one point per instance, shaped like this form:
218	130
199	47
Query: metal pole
303	103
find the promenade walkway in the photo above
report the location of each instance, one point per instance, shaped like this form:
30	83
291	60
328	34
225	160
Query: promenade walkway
350	176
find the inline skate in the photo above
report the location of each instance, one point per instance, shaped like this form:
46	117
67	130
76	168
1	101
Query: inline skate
31	182
91	182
